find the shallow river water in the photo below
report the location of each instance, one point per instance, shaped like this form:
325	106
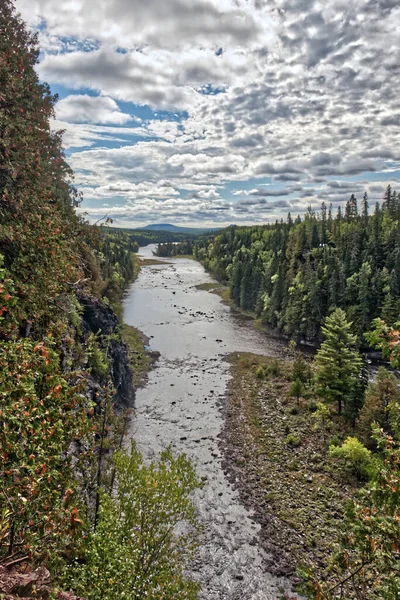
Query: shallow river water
181	406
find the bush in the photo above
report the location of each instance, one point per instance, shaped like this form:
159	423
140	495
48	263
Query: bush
355	455
273	368
293	440
97	358
145	536
294	410
260	373
334	441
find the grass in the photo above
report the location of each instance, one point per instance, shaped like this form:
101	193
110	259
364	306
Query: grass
148	262
281	461
220	289
139	360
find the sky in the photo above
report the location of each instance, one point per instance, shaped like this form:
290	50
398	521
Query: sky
213	112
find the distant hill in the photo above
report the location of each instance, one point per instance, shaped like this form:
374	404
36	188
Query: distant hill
177	229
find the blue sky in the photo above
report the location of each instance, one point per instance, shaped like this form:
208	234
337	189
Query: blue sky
212	112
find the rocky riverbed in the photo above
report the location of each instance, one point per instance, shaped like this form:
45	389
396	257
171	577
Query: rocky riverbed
181	406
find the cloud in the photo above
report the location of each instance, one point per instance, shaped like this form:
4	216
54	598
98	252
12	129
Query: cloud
300	95
156	22
89	109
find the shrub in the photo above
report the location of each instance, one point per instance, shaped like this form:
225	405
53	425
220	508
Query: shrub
355	455
296	390
260	373
293	440
334	441
274	368
97	358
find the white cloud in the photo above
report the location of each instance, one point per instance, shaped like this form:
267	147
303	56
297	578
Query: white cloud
172	23
88	109
301	93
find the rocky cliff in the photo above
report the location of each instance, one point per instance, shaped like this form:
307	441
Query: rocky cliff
100	318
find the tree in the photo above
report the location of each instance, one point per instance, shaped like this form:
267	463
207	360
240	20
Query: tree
366	564
355	401
386	339
321	416
39	230
41	417
146	533
301	369
296	389
378	401
338	362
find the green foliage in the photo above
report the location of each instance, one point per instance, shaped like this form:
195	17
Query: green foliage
355	455
366	566
293	440
294	274
97	358
335	441
260	374
273	368
184	247
387	339
117	264
296	389
301	369
145	536
41	416
338	362
321	416
379	399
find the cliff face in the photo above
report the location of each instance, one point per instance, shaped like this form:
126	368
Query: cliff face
99	318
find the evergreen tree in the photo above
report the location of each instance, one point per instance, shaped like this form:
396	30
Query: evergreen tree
338	362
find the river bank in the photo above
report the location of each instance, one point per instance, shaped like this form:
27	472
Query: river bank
277	459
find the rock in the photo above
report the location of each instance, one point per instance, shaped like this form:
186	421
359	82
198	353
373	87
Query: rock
98	317
25	584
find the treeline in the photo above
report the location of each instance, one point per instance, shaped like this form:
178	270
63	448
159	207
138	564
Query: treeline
146	237
175	249
61	363
294	272
118	263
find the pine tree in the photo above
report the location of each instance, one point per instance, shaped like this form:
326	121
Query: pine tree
338	362
365	206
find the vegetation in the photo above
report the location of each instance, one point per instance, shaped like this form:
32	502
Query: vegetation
338	362
301	486
183	248
137	551
293	274
123	529
59	339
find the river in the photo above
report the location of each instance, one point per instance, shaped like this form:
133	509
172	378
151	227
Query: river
181	406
